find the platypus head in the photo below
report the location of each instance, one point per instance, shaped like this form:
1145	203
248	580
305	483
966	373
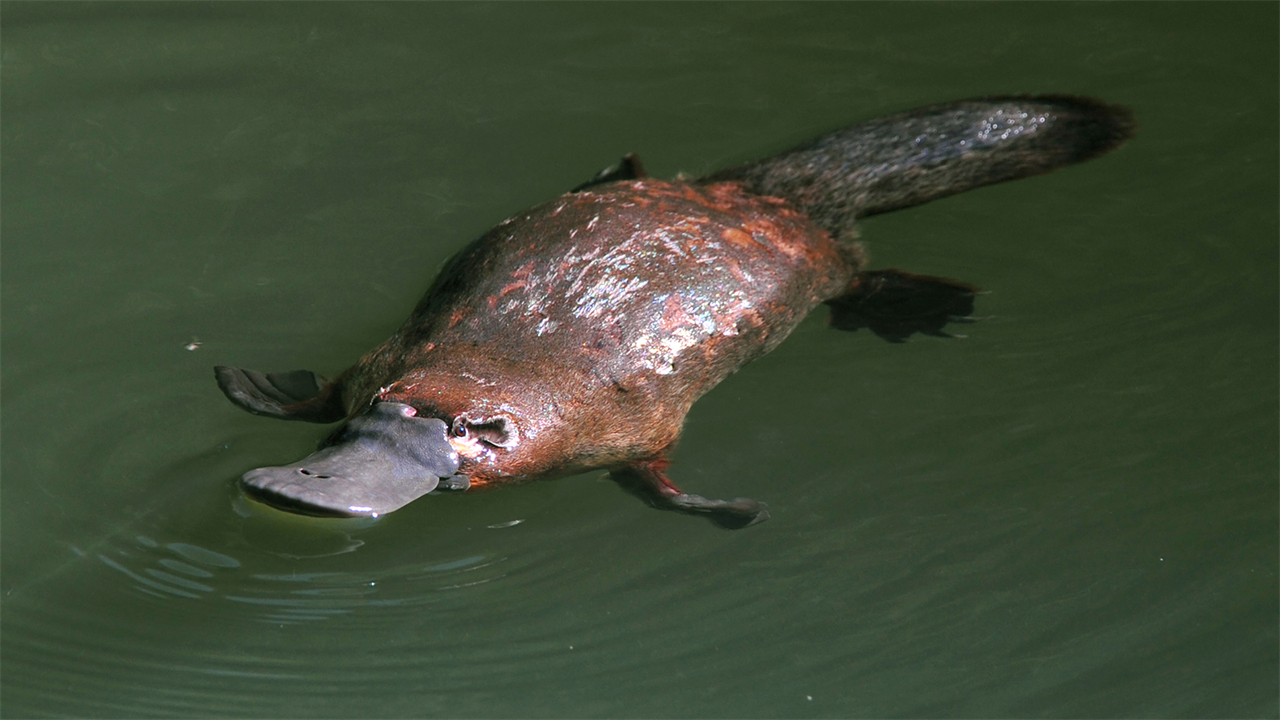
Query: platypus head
427	431
379	461
499	425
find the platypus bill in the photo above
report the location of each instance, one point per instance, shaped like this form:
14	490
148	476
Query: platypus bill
576	335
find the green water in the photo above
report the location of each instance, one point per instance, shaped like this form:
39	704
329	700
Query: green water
1070	513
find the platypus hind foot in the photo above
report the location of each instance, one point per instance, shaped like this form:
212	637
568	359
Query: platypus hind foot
895	304
647	481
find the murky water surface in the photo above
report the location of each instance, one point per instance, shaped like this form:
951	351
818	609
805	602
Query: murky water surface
1070	513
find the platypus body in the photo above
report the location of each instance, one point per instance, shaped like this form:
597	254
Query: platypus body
577	335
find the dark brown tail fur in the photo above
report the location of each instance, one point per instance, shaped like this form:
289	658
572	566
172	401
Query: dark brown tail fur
932	152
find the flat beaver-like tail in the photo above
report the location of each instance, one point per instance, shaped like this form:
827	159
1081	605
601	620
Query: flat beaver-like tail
931	152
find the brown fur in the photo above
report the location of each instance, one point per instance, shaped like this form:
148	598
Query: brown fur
578	334
595	321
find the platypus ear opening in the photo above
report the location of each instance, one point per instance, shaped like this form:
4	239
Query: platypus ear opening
498	431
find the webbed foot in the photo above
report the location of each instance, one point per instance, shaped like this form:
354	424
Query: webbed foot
297	395
895	304
647	481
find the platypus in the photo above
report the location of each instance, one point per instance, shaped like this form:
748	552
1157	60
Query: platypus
577	334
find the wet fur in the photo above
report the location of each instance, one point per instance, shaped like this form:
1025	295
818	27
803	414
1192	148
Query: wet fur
582	331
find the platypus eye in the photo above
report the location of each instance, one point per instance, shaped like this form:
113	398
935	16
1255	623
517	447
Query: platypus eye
459	428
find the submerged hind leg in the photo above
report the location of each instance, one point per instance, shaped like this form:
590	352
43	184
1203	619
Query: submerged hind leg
895	304
648	481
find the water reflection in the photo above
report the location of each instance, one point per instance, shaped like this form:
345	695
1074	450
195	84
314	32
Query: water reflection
294	537
168	578
192	572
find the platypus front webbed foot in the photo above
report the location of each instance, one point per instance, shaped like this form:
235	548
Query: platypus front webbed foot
647	481
297	395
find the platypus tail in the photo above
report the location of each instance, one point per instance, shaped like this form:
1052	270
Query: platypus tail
932	152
